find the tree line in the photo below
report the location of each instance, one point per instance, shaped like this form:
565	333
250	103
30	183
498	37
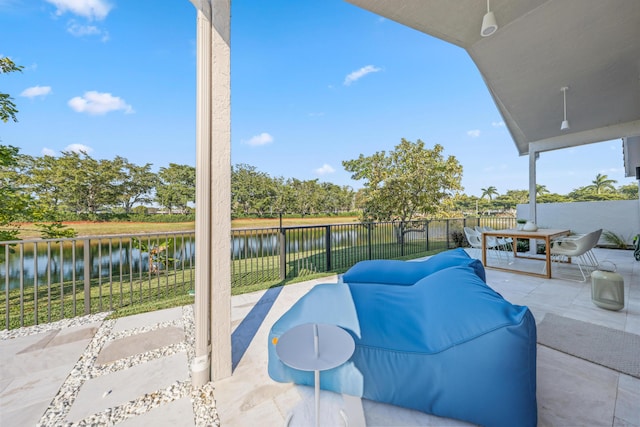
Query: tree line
256	193
75	185
491	201
409	181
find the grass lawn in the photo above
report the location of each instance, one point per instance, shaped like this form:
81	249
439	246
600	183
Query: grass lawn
147	292
89	228
288	222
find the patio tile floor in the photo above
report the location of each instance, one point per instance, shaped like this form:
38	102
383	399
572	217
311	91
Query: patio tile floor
126	388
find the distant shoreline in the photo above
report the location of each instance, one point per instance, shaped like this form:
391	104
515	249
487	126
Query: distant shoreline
106	228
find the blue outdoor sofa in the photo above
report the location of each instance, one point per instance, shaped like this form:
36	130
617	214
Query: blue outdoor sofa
446	344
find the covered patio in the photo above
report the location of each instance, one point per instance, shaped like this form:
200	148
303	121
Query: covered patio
562	73
135	370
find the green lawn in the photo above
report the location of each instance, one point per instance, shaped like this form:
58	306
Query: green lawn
150	292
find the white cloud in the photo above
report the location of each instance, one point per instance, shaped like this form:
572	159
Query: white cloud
32	92
474	133
80	30
497	124
96	103
325	169
90	9
358	74
76	148
48	152
262	139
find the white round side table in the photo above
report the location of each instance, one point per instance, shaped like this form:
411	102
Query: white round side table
315	347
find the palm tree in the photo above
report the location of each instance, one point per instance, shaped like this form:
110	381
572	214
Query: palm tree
489	192
601	183
541	189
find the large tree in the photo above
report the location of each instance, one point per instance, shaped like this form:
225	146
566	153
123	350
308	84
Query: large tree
489	192
334	198
541	190
305	196
134	183
409	181
252	191
602	183
47	181
91	185
13	202
176	186
629	191
8	109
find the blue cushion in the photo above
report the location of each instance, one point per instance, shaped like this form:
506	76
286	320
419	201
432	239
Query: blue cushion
394	272
449	346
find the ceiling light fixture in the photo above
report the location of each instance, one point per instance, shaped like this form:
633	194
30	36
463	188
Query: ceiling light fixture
489	24
565	122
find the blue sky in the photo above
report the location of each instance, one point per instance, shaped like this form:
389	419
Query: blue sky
314	82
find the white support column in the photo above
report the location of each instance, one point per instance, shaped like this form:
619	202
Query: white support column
533	155
201	368
220	196
213	194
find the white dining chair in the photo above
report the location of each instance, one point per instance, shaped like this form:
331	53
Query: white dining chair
579	249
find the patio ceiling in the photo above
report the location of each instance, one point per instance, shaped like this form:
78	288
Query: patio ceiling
591	46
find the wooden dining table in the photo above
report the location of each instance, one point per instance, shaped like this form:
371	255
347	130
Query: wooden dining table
546	234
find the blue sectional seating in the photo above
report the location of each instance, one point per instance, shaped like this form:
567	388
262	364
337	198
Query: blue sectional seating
447	345
394	272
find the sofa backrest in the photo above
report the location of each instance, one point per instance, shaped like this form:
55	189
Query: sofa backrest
406	273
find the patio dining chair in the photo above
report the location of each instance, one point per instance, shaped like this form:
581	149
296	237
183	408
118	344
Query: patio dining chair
580	249
593	260
506	243
500	244
474	238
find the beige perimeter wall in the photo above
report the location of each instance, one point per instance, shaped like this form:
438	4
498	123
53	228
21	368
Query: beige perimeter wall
620	216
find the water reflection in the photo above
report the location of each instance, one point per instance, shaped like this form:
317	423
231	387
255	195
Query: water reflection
55	262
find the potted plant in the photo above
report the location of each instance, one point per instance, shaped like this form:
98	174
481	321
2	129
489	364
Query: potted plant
521	222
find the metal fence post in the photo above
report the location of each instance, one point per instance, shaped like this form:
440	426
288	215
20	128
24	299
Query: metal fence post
87	276
283	253
328	246
35	283
426	232
369	225
448	243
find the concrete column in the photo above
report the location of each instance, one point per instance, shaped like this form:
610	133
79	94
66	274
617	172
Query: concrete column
533	156
220	200
213	194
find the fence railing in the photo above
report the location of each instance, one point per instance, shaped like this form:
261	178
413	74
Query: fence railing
45	280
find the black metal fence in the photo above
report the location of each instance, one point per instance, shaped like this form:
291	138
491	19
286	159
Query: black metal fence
48	280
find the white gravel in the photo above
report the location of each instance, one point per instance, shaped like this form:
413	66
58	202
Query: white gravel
202	398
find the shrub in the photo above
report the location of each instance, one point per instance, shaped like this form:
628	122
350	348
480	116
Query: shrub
616	240
459	239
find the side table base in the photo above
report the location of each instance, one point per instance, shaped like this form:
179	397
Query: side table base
336	410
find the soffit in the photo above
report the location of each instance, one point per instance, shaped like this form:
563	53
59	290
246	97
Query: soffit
591	46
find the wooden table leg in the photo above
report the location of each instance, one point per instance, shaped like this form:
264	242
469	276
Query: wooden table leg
484	249
548	254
